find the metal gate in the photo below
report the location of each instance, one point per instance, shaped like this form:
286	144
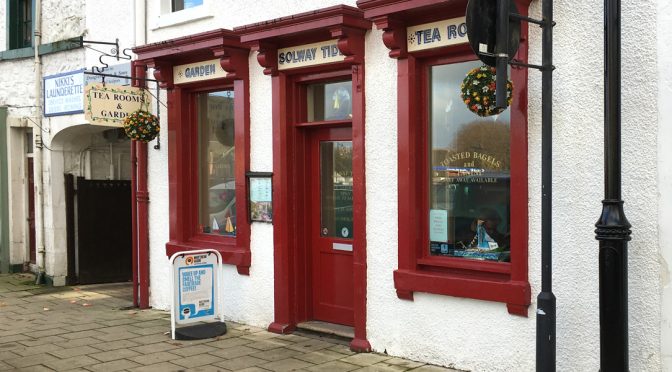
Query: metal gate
104	231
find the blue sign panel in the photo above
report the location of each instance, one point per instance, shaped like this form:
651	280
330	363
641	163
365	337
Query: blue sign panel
64	93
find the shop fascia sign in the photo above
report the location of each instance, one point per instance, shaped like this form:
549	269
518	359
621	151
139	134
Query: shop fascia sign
437	34
62	93
309	55
199	71
109	105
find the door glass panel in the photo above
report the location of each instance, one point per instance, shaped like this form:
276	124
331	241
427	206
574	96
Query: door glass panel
336	189
216	163
330	101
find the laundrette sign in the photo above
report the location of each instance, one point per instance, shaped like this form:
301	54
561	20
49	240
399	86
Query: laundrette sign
63	93
437	34
309	55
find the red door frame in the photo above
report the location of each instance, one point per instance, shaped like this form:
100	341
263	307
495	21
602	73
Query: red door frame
289	140
347	25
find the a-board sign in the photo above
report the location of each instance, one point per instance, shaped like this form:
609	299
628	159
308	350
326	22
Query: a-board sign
195	286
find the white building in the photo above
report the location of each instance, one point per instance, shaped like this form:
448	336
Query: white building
49	140
386	244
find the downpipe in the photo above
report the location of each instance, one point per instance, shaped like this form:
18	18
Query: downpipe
37	131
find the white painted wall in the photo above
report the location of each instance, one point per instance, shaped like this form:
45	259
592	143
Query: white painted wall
18	194
664	23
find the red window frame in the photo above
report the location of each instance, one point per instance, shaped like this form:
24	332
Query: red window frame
183	175
233	56
418	271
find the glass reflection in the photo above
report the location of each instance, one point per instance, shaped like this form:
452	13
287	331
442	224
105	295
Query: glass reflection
330	101
336	188
469	211
216	155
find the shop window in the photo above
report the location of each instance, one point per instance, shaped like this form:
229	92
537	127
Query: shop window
216	158
20	28
329	101
178	5
462	178
469	174
466	197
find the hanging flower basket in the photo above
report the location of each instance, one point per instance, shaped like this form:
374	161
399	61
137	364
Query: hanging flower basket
141	126
478	91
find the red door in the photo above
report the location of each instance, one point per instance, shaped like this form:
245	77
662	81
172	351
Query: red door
330	232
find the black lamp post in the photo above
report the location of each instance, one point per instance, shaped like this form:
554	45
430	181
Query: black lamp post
613	229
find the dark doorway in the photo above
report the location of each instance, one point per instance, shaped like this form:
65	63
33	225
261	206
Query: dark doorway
104	231
31	210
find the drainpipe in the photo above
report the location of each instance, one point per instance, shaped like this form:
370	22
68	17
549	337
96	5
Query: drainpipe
39	189
140	193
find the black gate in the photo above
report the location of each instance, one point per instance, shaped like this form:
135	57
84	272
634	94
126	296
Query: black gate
104	231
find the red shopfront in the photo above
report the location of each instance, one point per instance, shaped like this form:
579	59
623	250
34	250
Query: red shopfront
472	179
206	78
316	61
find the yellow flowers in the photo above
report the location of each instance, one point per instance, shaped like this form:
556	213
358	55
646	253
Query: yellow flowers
142	126
478	91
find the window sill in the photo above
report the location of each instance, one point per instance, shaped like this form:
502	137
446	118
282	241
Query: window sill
181	17
479	286
231	253
17	53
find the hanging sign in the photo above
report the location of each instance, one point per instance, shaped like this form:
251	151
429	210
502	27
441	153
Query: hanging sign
309	55
437	34
122	69
199	71
109	105
63	93
195	286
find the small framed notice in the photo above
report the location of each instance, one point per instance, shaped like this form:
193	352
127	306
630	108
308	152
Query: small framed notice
260	196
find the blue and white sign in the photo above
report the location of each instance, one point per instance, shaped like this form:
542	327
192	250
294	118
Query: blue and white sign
196	292
195	283
64	93
195	286
122	69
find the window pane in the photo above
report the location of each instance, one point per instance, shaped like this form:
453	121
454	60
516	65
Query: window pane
185	4
216	163
469	211
336	188
27	23
331	101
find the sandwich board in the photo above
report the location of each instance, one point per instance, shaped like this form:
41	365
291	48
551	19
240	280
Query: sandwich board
195	285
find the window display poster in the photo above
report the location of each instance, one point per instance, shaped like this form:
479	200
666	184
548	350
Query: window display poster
438	225
261	199
195	276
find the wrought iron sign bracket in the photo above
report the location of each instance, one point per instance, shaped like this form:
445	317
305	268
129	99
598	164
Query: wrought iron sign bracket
114	52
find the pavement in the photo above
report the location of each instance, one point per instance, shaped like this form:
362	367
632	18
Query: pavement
95	328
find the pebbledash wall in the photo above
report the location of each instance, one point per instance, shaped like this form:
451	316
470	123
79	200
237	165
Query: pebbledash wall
464	333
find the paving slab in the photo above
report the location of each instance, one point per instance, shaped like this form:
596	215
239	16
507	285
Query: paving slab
91	328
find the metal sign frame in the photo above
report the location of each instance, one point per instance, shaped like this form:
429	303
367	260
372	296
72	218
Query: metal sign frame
217	298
